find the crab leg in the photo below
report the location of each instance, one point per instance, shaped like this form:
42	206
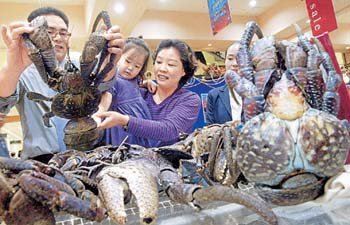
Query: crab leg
244	58
89	64
314	80
253	102
331	99
196	195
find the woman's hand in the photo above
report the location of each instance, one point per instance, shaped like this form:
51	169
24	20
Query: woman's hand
111	119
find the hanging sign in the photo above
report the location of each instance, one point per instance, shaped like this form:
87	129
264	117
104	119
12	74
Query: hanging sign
321	15
220	15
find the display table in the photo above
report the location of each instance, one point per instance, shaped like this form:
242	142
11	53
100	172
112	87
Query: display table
334	212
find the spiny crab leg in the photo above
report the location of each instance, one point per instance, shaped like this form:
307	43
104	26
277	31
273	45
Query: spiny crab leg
244	58
314	80
17	165
331	99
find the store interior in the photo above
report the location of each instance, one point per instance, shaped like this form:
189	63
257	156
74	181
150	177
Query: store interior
182	19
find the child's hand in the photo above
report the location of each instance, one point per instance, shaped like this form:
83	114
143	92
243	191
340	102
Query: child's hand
151	85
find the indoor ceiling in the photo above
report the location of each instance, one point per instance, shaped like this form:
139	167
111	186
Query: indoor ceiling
184	19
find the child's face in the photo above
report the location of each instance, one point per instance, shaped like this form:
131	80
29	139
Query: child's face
130	63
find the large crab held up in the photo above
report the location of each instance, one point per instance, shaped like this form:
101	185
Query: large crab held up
290	140
78	96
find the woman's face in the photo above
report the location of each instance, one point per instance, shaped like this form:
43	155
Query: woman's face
168	68
230	61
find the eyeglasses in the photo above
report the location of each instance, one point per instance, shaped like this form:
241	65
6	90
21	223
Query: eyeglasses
63	33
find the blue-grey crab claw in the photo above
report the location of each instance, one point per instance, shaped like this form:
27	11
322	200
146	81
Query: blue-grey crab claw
242	86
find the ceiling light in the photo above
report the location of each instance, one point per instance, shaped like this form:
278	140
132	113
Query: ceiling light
347	47
119	8
252	3
209	45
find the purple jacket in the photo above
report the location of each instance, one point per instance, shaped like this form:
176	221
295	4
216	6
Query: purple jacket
127	99
176	114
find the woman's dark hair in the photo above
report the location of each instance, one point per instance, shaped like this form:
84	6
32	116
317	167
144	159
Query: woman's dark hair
188	58
140	45
48	11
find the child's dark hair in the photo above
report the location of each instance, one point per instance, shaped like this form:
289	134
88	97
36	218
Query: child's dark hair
188	58
48	11
140	45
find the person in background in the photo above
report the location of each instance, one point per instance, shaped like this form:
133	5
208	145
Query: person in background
19	76
174	110
224	104
125	96
4	152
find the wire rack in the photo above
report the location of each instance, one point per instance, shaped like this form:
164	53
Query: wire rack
166	208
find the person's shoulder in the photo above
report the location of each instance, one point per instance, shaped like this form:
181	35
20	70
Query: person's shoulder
217	90
185	93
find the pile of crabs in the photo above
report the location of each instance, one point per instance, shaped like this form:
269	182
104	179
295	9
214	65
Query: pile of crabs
287	145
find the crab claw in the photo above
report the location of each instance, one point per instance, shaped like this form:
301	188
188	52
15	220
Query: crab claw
96	45
42	53
50	195
253	102
140	181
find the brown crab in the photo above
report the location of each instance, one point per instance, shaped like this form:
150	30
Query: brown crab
30	193
130	170
78	96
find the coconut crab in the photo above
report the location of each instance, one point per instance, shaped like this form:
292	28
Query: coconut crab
30	193
78	96
290	140
115	173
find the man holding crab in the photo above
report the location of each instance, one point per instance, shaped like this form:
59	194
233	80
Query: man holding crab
19	76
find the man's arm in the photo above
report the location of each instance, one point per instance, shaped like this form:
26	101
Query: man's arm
16	56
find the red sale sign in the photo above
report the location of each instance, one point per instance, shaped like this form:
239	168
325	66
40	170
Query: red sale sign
321	15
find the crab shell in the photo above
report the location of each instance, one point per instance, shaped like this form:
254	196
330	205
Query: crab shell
269	149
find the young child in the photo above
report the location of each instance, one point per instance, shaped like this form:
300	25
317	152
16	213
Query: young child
125	95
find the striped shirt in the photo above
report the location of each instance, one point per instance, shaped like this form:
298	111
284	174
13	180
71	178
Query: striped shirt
175	115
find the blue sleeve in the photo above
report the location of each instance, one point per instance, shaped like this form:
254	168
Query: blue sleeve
210	111
7	103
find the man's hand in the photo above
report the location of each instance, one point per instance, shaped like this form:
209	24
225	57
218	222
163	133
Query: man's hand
115	45
17	58
17	54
